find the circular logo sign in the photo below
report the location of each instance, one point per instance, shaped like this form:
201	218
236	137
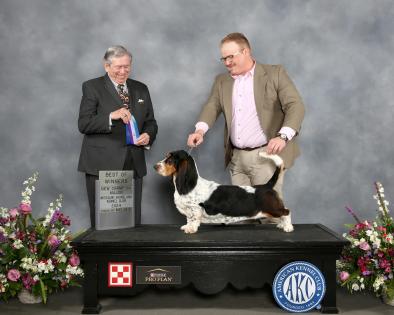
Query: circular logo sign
299	287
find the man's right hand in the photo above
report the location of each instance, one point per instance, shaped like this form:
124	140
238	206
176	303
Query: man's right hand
195	138
122	113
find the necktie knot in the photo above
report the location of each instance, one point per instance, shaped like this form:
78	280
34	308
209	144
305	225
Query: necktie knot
121	88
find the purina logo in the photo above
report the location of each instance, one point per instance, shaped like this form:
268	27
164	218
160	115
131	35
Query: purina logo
158	275
299	287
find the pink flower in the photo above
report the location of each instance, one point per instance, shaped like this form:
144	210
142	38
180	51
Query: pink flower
27	281
13	275
25	208
53	240
74	260
384	263
343	275
13	213
364	246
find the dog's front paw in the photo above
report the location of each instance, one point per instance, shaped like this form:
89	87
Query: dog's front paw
189	228
286	227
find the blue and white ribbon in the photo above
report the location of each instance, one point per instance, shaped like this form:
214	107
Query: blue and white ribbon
132	133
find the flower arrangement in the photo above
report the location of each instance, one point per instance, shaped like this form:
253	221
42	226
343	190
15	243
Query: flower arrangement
35	254
367	263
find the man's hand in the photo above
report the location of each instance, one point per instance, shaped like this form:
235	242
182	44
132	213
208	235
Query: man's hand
122	113
276	145
195	138
143	139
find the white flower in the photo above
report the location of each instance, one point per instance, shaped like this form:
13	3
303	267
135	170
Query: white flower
355	287
74	270
17	244
36	278
379	281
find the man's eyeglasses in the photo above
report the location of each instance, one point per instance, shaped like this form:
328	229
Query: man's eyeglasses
230	57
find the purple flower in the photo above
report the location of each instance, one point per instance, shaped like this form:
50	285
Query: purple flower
53	241
366	272
55	216
3	239
350	210
13	275
25	208
4	221
343	275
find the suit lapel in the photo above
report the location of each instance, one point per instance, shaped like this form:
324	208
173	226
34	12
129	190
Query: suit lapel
259	83
228	84
133	96
109	86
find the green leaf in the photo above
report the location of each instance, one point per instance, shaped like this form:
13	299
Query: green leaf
43	292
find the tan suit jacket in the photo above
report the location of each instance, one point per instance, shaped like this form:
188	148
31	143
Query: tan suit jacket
278	104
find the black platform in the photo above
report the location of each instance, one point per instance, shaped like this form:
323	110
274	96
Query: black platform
246	256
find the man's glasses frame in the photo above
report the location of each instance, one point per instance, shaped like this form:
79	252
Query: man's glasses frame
231	57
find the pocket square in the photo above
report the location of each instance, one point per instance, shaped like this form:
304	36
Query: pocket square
140	101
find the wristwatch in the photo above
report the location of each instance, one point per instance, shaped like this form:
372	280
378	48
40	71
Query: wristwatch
283	136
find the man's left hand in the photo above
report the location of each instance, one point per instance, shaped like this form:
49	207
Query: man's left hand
276	145
143	139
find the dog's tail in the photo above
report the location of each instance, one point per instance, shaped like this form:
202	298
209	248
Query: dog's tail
279	166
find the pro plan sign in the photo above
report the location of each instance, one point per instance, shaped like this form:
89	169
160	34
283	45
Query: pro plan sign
299	287
158	275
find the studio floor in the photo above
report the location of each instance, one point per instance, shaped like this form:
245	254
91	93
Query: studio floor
188	301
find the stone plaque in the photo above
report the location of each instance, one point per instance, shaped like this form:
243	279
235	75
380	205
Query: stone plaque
115	200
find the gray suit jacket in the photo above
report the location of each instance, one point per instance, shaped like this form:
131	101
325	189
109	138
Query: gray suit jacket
104	148
278	104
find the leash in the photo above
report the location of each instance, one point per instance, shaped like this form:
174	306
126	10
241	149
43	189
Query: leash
190	150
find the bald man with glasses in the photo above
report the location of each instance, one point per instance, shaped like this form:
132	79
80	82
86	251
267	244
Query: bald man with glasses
262	109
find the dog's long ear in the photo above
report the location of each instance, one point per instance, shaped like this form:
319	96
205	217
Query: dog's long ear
186	177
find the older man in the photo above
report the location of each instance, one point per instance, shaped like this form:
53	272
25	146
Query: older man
110	105
262	110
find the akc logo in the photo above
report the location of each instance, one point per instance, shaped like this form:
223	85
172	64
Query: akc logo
299	287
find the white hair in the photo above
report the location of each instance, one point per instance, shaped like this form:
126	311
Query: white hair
114	52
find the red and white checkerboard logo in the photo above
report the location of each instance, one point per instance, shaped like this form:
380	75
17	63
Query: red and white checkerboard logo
120	274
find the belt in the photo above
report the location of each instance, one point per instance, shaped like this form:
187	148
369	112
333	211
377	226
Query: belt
249	149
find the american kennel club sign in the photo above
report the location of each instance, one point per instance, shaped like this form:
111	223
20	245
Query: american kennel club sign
115	200
158	275
299	287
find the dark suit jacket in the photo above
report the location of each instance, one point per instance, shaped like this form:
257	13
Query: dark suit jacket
104	147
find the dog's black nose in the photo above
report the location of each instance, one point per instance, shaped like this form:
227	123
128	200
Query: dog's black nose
156	167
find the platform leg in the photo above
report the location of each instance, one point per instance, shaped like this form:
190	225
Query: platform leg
329	303
90	297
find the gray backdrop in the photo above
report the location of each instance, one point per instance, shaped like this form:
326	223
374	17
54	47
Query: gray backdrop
339	54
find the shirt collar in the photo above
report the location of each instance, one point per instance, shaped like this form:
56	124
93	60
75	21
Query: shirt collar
116	84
